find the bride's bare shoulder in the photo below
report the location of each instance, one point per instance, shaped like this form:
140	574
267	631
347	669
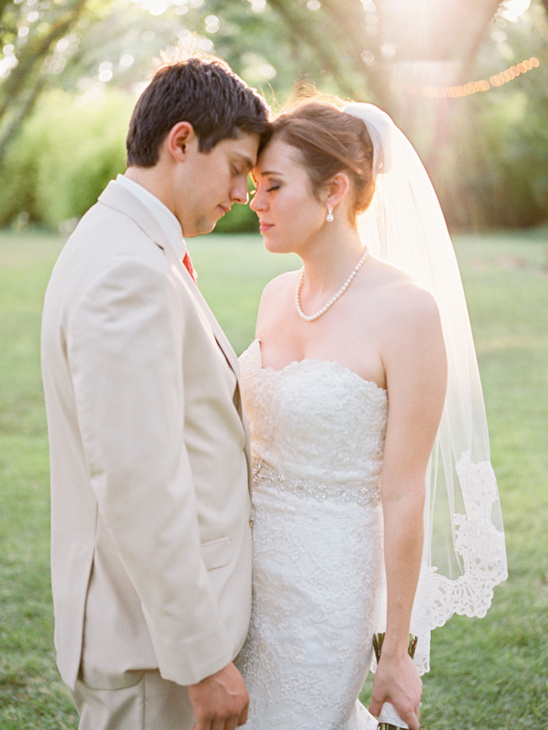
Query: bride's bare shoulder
401	299
279	287
277	298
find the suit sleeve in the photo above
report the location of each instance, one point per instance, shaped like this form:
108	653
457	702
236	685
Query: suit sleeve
125	352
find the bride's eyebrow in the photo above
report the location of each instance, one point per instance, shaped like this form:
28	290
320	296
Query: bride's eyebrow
257	174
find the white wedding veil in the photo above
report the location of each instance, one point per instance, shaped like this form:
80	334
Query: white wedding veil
464	555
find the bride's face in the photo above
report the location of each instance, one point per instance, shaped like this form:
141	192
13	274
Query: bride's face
289	213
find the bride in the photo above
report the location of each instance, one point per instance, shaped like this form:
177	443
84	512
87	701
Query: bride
368	428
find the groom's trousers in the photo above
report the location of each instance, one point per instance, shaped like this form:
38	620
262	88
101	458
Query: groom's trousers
152	703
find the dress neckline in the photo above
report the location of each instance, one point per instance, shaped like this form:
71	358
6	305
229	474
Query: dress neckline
313	361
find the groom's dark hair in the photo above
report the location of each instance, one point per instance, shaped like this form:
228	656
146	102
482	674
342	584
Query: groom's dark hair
202	91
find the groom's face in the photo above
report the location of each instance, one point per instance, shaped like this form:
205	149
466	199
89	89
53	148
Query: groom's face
213	181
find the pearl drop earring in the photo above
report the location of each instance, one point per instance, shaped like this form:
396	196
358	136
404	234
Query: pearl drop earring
329	216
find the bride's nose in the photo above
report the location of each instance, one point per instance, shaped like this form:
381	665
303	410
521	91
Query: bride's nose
258	201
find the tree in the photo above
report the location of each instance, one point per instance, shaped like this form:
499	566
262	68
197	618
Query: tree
37	40
373	39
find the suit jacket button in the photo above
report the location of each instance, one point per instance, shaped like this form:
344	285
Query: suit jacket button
251	521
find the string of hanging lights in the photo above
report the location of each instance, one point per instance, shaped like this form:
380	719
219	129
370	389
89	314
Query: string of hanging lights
473	87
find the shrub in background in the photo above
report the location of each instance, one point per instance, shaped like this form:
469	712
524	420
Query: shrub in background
64	156
491	171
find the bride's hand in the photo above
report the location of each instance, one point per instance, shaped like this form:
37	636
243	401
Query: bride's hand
397	681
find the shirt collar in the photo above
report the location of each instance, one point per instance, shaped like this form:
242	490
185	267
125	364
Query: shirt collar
161	212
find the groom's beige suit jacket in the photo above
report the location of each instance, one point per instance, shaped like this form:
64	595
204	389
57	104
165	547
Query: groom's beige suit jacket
151	526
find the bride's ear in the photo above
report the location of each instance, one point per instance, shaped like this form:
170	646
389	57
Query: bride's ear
337	188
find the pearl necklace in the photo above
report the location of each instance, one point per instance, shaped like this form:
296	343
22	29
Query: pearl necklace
334	298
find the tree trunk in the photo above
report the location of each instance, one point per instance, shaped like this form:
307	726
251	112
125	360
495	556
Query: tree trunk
22	87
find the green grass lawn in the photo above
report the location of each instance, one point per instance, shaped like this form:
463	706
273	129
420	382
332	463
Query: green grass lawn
487	674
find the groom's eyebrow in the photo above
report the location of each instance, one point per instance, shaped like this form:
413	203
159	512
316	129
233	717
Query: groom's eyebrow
246	161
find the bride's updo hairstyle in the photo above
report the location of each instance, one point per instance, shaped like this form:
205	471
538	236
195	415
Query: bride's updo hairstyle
328	141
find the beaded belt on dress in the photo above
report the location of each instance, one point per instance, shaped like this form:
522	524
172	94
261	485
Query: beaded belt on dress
362	494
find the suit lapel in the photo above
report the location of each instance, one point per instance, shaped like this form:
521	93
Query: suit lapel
117	197
220	336
224	345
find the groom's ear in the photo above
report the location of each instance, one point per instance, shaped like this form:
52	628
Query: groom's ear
179	137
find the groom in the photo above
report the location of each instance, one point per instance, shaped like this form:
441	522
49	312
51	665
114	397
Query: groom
151	527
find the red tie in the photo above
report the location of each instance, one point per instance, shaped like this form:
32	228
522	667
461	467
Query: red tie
188	265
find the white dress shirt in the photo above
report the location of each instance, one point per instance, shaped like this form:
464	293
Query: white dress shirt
161	213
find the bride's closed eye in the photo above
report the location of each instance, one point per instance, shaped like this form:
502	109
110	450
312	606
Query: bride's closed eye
271	189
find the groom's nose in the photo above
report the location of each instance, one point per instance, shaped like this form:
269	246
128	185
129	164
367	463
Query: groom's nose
239	194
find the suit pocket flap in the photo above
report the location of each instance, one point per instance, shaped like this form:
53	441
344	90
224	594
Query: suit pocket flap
216	553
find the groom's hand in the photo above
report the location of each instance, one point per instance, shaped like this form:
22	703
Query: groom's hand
220	701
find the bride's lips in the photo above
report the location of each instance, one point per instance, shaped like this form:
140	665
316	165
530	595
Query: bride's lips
265	227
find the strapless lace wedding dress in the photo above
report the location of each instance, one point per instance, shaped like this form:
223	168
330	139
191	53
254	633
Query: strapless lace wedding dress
317	440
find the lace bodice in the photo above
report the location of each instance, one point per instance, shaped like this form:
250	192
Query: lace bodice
305	414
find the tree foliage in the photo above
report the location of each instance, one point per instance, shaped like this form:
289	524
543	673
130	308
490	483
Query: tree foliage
37	40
